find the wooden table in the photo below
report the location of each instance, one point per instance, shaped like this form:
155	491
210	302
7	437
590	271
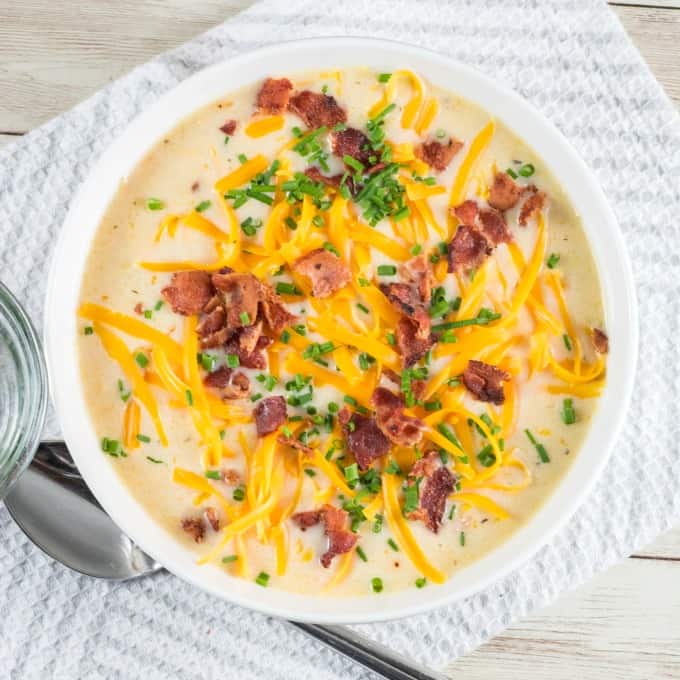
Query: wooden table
624	624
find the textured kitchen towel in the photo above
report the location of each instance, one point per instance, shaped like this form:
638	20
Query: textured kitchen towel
572	60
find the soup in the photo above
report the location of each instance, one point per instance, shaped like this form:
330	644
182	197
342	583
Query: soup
342	333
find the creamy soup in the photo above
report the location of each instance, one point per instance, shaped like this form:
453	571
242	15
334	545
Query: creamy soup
342	333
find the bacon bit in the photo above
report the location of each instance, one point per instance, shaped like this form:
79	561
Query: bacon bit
195	527
485	382
211	322
139	308
274	95
365	441
188	292
230	385
438	155
241	293
213	518
393	422
418	388
600	341
466	212
229	127
340	538
248	337
534	204
295	444
494	227
274	311
467	250
407	299
231	477
317	109
270	414
410	344
436	484
418	272
314	173
217	339
354	143
254	359
505	192
327	272
195	185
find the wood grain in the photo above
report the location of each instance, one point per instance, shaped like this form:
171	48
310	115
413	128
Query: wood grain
55	54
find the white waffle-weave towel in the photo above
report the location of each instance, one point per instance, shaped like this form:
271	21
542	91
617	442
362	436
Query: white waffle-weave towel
574	62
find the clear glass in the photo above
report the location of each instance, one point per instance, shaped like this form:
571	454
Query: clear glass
23	390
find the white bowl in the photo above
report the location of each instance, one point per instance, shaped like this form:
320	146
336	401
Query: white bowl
289	58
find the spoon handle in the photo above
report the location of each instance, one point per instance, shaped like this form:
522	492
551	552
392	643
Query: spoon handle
371	655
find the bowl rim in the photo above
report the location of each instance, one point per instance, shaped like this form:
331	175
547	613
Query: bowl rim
577	181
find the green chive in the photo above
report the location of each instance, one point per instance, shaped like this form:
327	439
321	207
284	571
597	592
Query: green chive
207	361
189	397
245	318
233	361
283	288
393	468
229	558
386	270
433	405
310	473
333	407
417	249
300	329
158	305
88	330
361	554
364	283
567	341
262	579
568	412
392	544
154	460
327	245
351	472
363	308
242	158
239	493
462	538
255	397
420	582
142	360
384	77
143	438
553	260
512	173
202	206
391	340
452	511
285	337
213	474
350	400
148	313
155	204
377	585
401	214
542	452
527	170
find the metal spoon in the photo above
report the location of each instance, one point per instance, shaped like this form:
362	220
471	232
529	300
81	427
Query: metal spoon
53	506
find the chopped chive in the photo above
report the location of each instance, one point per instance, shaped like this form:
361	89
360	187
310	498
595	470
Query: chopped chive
363	308
244	318
142	360
386	270
452	511
542	452
213	474
158	305
143	438
527	170
229	558
242	158
208	361
154	460
233	361
486	456
462	538
377	585
420	582
148	313
567	341
384	77
433	405
416	250
88	330
155	204
392	544
391	340
445	430
256	397
393	468
401	214
318	221
553	260
285	337
262	579
350	400
226	140
189	397
202	206
310	473
378	523
283	288
512	173
364	283
300	329
351	472
568	412
361	554
239	493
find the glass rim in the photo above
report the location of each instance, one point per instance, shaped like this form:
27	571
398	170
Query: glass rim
17	450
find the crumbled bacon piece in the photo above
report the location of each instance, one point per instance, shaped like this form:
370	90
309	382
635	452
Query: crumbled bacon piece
340	538
365	440
254	359
391	419
438	155
466	212
467	250
229	128
332	181
436	483
485	382
411	345
354	143
241	293
188	292
195	527
248	337
408	300
195	185
317	109
229	384
231	477
600	341
418	272
296	444
275	313
213	518
274	95
534	204
327	272
270	414
216	339
504	192
212	322
139	308
494	227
